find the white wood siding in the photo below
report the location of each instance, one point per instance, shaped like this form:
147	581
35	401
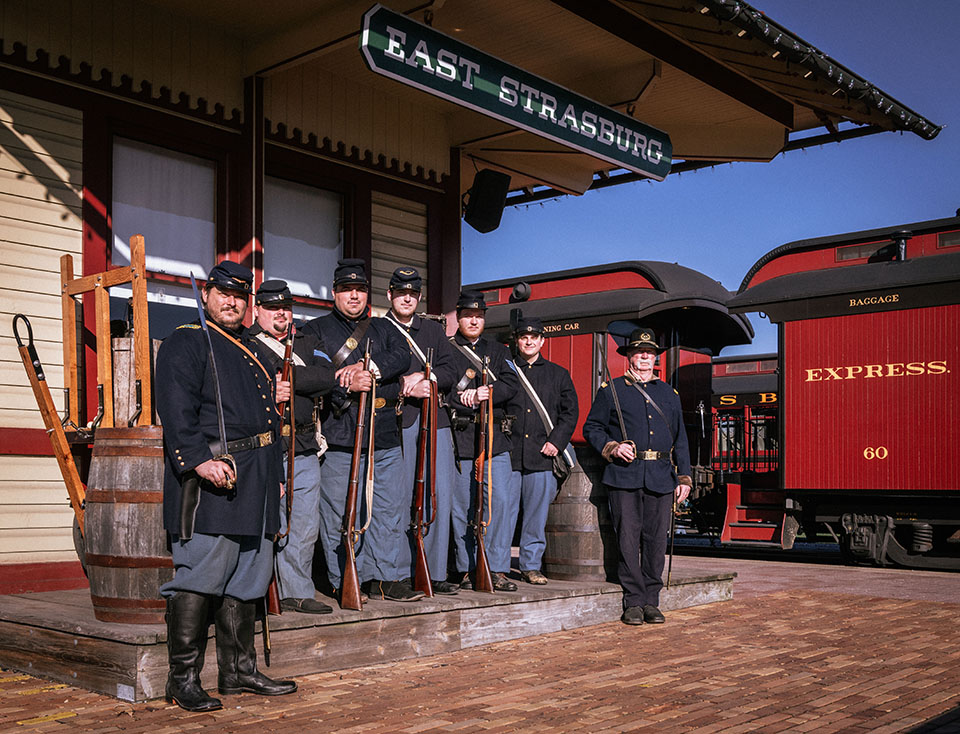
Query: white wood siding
133	38
399	237
40	219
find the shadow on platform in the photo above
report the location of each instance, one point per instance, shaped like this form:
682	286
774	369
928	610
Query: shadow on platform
55	634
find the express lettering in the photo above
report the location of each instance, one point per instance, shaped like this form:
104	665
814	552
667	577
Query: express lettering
867	371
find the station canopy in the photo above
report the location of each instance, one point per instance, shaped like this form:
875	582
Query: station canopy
724	81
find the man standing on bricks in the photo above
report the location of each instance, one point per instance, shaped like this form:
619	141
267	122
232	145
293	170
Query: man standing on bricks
636	424
220	502
313	378
547	395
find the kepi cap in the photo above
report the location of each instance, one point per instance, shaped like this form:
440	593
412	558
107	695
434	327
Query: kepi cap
231	276
352	271
406	279
471	299
529	325
274	293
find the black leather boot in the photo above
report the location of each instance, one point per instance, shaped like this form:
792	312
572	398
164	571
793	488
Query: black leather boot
237	655
187	625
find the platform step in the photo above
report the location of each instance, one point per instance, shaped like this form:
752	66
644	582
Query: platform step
754	524
761	506
754	543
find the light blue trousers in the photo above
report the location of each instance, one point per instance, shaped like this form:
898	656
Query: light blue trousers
378	553
437	541
536	490
295	558
221	565
499	533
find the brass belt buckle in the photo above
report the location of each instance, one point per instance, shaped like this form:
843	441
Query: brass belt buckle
649	455
265	438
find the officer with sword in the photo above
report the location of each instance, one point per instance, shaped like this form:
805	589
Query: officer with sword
222	479
636	424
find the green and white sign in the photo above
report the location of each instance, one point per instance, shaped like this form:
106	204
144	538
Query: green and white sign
403	49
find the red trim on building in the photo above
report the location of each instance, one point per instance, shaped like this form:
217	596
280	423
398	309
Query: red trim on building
25	442
20	578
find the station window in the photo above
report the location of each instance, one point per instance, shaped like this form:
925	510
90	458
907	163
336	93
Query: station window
302	237
170	198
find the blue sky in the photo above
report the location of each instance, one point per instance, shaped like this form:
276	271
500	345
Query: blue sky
720	221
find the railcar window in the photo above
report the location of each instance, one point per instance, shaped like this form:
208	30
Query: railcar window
859	252
948	239
739	368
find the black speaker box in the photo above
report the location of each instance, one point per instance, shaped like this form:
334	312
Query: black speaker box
487	197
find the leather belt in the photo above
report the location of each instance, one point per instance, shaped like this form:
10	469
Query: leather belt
648	455
303	429
244	444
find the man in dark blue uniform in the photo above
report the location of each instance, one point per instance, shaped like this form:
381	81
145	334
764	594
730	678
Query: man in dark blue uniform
222	544
345	333
467	399
422	335
548	390
641	478
313	378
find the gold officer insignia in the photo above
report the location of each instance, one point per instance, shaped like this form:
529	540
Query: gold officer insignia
352	276
352	343
406	272
645	336
379	403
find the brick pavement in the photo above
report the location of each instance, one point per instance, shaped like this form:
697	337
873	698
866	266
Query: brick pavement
791	661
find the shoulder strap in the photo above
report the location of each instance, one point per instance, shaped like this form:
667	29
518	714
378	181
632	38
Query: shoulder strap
414	347
352	342
653	403
474	359
541	411
277	347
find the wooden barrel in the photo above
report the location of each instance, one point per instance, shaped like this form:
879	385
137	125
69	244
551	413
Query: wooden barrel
126	546
581	543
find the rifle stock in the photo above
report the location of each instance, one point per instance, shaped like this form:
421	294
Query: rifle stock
350	584
290	429
426	464
483	580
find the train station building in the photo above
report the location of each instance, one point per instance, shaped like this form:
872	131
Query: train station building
287	136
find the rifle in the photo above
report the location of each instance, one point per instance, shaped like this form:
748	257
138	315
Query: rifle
290	431
350	584
483	580
426	466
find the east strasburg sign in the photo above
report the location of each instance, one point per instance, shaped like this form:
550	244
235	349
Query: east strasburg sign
412	53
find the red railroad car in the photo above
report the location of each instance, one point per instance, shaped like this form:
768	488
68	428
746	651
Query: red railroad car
869	388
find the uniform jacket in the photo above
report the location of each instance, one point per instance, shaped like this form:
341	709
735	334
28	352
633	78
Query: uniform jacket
311	380
504	389
428	334
186	404
645	428
555	389
391	354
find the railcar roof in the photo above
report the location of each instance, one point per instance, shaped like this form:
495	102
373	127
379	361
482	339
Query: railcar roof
836	240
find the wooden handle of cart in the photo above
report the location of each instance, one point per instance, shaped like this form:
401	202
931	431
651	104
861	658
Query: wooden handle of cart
51	420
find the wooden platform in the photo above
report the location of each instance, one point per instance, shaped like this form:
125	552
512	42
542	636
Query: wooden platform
55	635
